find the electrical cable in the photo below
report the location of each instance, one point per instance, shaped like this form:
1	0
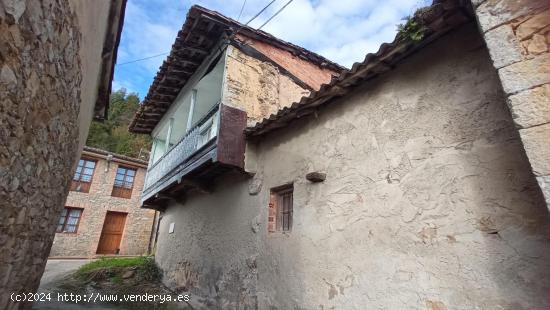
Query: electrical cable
276	13
241	12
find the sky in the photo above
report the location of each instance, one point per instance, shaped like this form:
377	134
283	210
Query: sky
343	31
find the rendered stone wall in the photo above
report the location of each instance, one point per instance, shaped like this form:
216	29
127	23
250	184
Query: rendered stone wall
40	75
429	202
517	33
212	251
96	203
257	87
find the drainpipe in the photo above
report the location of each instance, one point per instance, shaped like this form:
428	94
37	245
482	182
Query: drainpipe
109	158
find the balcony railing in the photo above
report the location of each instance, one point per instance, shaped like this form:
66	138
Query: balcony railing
197	138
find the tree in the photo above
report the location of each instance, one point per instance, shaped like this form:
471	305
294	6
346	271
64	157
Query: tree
112	134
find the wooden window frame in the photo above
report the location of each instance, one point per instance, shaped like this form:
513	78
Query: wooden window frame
277	212
65	220
121	191
83	186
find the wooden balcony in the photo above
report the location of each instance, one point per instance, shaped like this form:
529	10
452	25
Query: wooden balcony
193	162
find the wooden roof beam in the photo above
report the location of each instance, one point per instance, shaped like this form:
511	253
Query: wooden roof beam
198	50
187	62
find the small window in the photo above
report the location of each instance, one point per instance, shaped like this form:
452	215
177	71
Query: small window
124	182
82	178
280	209
69	220
207	131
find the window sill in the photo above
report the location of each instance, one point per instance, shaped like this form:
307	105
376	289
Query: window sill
121	197
281	234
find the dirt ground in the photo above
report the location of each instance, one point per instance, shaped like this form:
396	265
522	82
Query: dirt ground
59	279
57	270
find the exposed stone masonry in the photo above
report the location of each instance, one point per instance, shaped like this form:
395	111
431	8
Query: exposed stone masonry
40	96
266	89
517	34
96	203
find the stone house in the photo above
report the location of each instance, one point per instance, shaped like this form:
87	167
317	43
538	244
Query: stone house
56	66
102	214
414	180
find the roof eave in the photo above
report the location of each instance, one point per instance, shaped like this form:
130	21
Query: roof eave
109	55
439	19
100	153
160	98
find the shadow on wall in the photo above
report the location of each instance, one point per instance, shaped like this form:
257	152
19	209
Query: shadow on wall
211	252
429	200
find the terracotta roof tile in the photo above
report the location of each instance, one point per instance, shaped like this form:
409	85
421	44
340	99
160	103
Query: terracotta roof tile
199	34
438	19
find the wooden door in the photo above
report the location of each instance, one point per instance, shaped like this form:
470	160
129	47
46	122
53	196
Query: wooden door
111	234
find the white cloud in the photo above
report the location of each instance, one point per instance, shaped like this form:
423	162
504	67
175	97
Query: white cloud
341	30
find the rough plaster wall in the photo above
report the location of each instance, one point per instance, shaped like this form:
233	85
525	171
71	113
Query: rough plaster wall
40	77
92	21
257	87
96	203
212	252
517	33
429	202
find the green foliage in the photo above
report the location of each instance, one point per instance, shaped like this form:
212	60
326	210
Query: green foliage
117	279
109	263
112	134
149	271
411	30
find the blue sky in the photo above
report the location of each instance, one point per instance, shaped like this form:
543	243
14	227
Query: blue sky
344	31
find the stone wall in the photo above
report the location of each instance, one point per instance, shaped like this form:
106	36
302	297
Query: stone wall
51	55
213	248
40	77
96	203
257	87
429	202
517	33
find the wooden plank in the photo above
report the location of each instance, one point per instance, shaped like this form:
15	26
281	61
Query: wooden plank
194	49
111	233
231	139
198	185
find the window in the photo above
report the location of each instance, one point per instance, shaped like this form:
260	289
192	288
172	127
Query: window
280	209
69	220
124	182
83	176
207	131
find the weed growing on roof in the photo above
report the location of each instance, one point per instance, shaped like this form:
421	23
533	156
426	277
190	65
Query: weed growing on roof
411	30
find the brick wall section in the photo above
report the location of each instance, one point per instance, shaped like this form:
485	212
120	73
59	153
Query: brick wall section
311	74
40	75
517	34
257	87
96	203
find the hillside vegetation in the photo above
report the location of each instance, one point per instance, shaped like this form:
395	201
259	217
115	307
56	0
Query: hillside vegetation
113	135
